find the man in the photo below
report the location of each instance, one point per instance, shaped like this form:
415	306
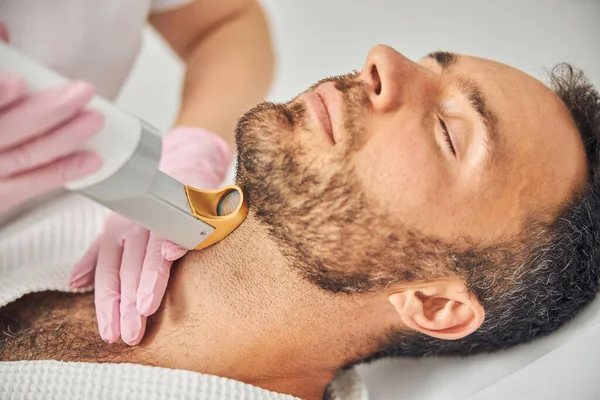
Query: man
443	207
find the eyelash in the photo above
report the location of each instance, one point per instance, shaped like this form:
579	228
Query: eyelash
447	136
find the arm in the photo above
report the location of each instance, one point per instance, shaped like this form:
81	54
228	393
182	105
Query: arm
227	49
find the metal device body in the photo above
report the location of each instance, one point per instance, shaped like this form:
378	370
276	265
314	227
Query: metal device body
142	193
129	181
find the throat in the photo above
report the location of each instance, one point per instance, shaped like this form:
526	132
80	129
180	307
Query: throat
238	311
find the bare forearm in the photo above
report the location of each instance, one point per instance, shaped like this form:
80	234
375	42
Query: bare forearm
229	69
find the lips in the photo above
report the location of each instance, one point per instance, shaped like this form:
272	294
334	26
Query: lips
324	117
318	107
324	103
332	104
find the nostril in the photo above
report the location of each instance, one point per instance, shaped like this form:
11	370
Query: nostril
376	80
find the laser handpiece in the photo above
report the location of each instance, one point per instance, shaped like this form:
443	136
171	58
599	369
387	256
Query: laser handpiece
129	182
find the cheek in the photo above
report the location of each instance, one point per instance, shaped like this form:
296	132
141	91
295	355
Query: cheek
402	171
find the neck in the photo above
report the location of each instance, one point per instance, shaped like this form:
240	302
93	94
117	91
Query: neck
237	310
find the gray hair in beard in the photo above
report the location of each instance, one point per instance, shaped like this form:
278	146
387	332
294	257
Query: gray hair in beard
322	219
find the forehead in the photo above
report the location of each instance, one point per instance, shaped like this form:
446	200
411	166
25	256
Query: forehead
505	88
540	160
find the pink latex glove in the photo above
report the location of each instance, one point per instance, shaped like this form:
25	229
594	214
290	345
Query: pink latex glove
129	265
41	135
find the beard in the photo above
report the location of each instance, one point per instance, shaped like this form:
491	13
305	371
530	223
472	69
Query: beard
314	205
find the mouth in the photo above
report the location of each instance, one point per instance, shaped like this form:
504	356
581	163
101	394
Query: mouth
325	118
321	103
332	102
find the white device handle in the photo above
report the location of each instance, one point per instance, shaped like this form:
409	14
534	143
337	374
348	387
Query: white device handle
117	140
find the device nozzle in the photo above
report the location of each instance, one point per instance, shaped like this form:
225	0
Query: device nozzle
228	203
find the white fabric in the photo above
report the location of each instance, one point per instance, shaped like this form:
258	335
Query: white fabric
97	41
38	250
75	381
33	380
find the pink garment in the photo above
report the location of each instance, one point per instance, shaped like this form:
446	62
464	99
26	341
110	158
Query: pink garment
129	265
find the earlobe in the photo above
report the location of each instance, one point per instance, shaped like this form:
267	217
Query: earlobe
443	309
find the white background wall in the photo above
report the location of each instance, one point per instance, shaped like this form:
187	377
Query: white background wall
317	38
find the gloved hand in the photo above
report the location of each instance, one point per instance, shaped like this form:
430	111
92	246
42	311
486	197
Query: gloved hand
129	265
41	135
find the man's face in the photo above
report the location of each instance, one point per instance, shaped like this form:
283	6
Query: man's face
368	173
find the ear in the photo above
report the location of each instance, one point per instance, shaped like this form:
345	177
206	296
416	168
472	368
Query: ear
443	309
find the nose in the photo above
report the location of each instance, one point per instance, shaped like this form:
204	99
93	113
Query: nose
393	79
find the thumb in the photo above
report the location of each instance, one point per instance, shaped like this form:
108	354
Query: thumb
170	251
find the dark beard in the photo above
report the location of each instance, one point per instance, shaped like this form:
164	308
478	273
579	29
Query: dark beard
314	205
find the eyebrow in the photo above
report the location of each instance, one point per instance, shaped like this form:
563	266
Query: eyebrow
471	90
445	59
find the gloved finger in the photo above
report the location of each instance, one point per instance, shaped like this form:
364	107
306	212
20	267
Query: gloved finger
155	277
47	148
171	251
83	272
40	112
4	32
22	187
12	89
133	324
107	292
185	153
